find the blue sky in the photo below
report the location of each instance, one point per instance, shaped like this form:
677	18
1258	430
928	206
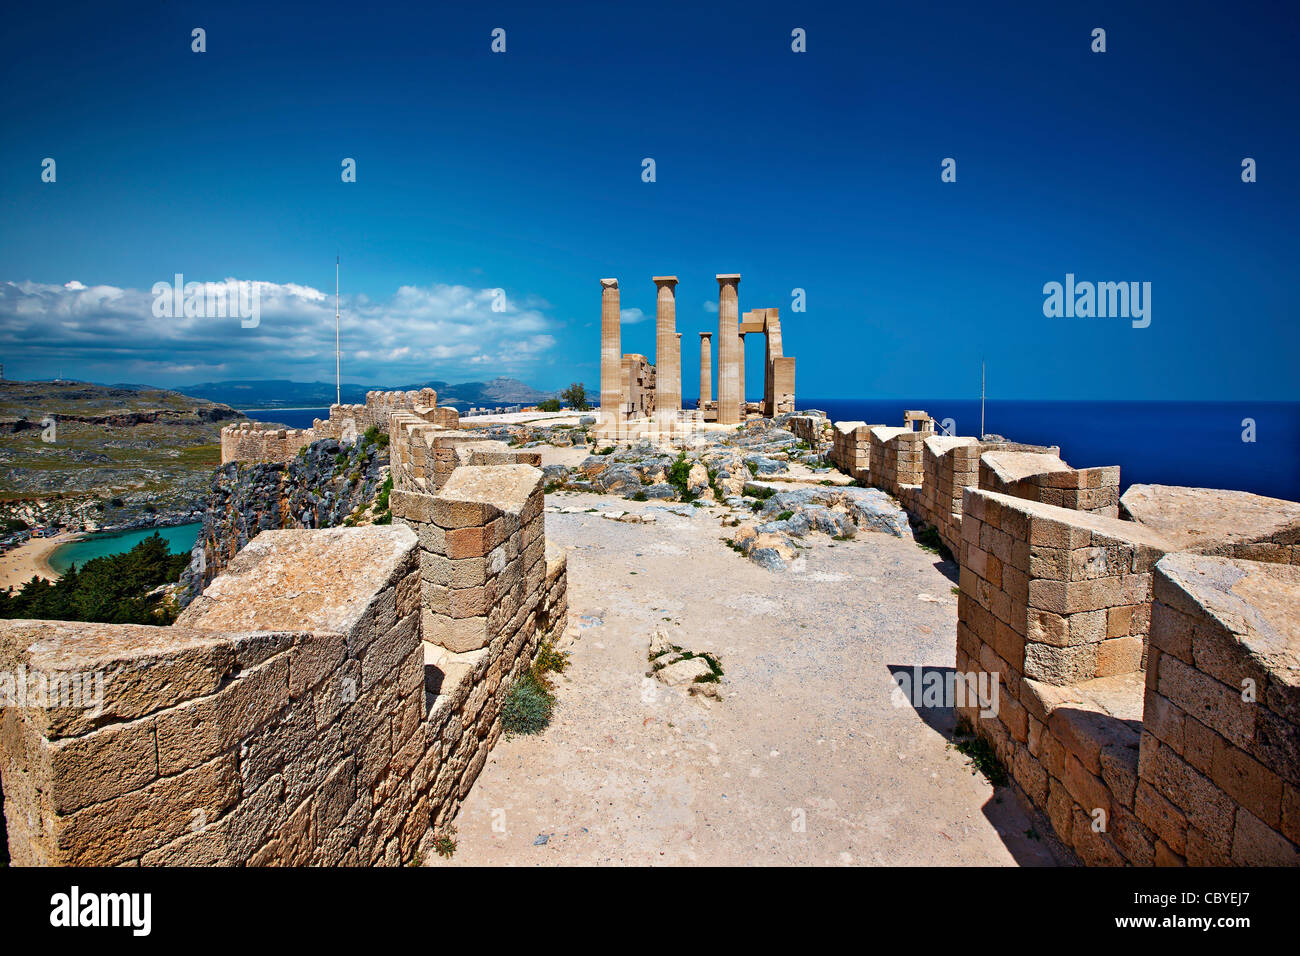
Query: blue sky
522	171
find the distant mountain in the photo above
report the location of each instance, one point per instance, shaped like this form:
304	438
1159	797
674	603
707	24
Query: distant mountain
280	393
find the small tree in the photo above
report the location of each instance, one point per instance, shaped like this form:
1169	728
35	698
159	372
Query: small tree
576	397
549	405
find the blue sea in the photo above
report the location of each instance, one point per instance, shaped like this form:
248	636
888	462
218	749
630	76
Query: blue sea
180	540
293	417
1198	444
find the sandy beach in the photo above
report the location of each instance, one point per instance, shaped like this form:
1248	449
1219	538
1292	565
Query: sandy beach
33	558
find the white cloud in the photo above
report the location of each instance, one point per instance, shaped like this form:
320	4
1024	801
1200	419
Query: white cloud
711	306
631	316
420	332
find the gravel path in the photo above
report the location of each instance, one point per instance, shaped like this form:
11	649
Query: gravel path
806	761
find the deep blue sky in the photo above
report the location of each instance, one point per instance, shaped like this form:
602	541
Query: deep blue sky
523	171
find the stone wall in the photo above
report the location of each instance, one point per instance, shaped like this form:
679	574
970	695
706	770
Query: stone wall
897	463
482	553
1042	476
1219	777
423	455
1056	603
1233	524
330	698
251	442
950	465
227	738
1120	669
851	449
815	429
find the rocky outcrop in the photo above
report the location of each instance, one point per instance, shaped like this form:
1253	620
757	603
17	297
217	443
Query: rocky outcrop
839	512
329	484
719	467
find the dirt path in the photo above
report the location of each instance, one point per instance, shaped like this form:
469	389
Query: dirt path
806	761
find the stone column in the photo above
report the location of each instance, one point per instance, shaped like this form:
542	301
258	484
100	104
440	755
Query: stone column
668	373
611	354
740	371
706	369
728	344
677	358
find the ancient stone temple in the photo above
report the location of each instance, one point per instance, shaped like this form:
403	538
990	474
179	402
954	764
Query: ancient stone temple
643	400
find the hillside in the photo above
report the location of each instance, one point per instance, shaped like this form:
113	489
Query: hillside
115	457
279	393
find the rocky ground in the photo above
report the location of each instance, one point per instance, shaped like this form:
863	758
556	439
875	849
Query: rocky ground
803	753
776	489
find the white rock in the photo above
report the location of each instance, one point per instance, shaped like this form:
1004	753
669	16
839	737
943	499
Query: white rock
684	672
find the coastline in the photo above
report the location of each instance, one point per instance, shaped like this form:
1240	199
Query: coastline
32	558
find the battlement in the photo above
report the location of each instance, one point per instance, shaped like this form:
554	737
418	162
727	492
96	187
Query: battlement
249	442
1130	707
1124	651
329	699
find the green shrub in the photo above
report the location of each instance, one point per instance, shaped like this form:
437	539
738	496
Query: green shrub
445	843
983	759
528	706
785	516
549	405
929	540
576	396
679	476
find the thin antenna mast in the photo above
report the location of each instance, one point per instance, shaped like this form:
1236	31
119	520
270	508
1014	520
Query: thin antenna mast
338	380
981	399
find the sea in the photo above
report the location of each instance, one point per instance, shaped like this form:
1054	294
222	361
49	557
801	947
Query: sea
180	540
1199	444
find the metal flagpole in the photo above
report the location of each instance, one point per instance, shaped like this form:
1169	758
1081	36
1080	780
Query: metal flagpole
981	400
338	380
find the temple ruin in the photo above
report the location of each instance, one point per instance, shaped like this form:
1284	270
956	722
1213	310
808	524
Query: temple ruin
643	400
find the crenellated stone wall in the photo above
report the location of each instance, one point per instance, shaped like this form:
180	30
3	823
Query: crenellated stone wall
1042	476
1146	699
1219	775
422	455
851	449
482	553
329	699
897	463
815	429
250	442
950	465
